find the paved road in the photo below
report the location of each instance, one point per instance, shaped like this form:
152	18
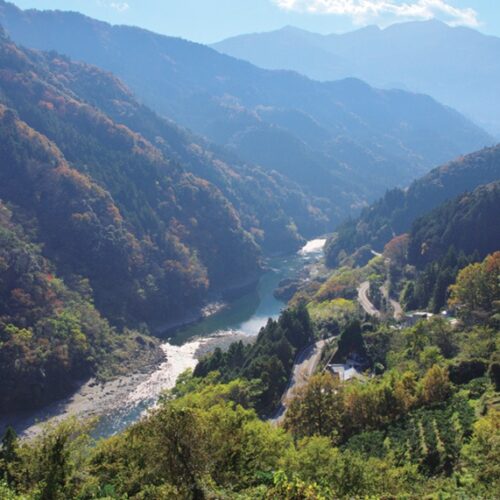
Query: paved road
398	310
396	306
365	301
305	365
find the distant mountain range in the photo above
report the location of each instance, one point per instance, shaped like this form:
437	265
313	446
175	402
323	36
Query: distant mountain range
343	143
397	211
457	66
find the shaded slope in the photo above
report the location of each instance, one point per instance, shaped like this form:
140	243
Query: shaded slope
469	223
51	335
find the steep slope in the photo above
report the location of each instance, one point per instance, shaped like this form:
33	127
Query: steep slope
150	237
51	335
398	209
469	223
270	206
458	66
342	141
98	224
457	233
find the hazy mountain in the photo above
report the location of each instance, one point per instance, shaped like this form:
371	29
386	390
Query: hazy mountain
343	142
395	213
457	66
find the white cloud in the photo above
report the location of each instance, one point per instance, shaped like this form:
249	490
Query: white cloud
362	11
119	6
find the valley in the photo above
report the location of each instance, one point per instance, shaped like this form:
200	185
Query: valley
119	403
265	268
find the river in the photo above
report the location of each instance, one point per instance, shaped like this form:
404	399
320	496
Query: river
249	313
123	401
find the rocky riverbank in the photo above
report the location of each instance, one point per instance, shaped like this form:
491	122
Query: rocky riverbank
94	399
121	401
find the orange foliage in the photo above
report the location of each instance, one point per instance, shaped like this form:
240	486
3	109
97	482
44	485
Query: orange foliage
21	298
492	263
46	105
397	249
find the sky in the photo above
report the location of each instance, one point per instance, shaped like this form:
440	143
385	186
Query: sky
208	21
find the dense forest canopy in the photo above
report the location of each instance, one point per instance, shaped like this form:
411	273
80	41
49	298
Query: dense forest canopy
113	209
440	244
395	213
48	328
469	223
270	358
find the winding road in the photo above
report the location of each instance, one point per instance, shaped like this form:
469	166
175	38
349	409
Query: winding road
367	305
365	301
396	306
305	365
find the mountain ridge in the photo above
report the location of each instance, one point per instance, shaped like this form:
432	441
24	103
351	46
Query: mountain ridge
340	153
467	223
394	213
456	65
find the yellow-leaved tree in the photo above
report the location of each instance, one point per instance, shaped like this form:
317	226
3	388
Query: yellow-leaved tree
476	292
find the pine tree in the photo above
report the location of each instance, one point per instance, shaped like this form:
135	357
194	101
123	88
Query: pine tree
8	453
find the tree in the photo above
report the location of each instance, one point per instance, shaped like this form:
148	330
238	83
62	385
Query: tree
480	457
179	455
396	250
405	392
351	342
269	359
436	385
8	454
53	461
476	292
408	299
494	372
294	488
317	408
7	493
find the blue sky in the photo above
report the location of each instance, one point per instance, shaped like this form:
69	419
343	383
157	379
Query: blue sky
208	21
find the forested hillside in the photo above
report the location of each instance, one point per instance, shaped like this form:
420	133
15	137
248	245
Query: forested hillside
343	142
469	223
441	243
394	214
51	336
126	219
273	209
158	203
270	359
